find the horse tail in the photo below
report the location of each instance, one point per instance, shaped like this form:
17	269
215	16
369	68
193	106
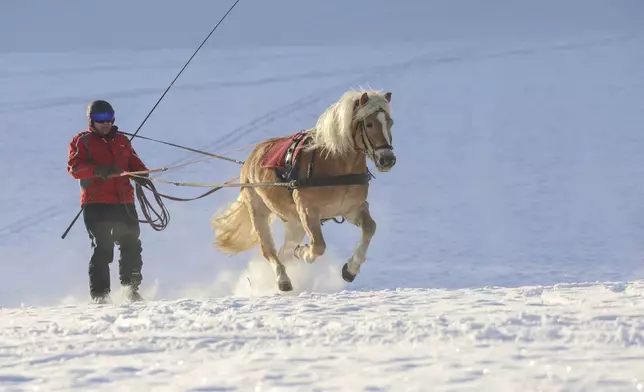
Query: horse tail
234	230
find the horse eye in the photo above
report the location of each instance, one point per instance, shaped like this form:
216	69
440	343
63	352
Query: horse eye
369	125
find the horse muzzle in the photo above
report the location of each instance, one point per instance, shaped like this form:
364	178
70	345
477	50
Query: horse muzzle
384	160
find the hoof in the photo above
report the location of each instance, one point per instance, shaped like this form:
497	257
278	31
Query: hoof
285	286
346	275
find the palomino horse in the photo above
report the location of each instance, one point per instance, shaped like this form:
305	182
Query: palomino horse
328	177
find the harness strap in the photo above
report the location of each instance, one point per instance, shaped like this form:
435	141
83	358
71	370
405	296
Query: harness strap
291	160
343	179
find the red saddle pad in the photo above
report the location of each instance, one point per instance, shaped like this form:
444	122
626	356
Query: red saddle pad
275	156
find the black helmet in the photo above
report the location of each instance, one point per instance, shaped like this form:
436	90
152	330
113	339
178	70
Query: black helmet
99	106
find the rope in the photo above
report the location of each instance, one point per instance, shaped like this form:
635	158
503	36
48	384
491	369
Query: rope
291	184
189	149
144	173
163	218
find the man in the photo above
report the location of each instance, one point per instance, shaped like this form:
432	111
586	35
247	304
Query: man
96	157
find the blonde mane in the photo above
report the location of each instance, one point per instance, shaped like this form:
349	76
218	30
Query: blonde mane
333	132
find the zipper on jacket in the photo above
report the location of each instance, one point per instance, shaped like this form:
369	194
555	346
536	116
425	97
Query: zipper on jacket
114	163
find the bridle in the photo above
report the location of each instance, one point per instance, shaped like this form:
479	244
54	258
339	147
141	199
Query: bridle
370	150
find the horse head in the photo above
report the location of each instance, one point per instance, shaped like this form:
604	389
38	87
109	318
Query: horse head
373	124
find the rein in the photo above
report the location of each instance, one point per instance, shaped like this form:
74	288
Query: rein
187	149
163	218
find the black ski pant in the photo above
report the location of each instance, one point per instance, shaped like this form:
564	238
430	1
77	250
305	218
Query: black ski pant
107	225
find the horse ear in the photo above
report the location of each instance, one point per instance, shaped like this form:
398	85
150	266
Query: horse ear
388	97
364	99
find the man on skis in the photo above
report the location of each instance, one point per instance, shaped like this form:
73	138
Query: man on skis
96	158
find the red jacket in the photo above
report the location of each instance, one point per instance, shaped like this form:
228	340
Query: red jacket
87	150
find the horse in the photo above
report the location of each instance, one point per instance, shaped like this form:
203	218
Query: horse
326	176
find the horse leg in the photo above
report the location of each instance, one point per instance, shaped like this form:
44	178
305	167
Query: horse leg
293	236
311	222
362	218
260	216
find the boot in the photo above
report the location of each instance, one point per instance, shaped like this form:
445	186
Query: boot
132	294
103	299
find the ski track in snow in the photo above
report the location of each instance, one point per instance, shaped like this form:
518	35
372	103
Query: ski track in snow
563	337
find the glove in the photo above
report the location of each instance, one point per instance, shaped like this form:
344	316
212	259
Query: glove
104	171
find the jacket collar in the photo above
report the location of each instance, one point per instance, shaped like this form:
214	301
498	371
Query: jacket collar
110	134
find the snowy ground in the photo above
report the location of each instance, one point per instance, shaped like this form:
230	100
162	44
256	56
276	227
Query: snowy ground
510	247
577	337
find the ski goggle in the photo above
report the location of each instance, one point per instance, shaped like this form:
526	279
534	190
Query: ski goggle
102	117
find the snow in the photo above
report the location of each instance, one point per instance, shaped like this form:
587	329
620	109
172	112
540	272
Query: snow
562	337
509	247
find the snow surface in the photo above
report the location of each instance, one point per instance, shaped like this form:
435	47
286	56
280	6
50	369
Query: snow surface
566	337
509	251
